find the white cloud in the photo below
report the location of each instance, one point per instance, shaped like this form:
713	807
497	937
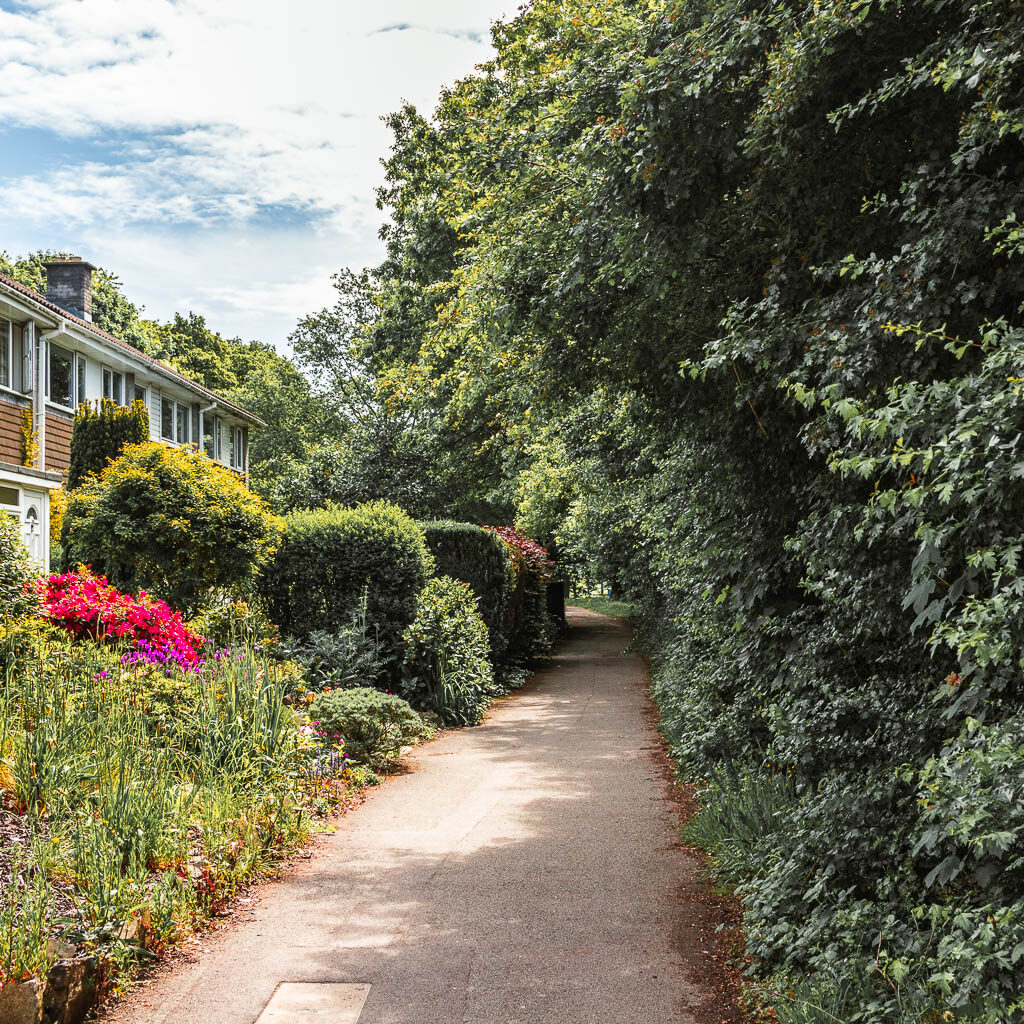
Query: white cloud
247	284
224	109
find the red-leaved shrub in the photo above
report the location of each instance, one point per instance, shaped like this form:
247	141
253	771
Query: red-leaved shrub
87	605
529	553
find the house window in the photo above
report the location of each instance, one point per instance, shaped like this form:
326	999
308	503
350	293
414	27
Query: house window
80	365
141	395
6	360
237	448
183	424
211	436
166	419
61	382
175	421
113	386
10	500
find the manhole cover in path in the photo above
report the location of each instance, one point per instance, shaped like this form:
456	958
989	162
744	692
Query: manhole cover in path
299	1002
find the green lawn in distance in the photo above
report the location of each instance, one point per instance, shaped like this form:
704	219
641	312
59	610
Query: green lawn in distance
604	605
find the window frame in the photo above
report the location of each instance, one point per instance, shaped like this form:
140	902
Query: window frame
6	506
164	402
114	376
211	425
81	378
181	421
237	450
51	352
8	350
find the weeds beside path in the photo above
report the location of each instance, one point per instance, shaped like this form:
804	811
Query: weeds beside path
526	870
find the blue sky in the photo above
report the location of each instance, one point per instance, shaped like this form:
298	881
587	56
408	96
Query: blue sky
218	156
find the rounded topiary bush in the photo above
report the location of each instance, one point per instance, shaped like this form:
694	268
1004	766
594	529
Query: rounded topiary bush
172	522
447	666
17	570
330	558
374	726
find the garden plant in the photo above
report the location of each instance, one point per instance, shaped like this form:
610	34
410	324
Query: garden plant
170	521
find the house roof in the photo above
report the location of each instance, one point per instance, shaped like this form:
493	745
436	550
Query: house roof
164	368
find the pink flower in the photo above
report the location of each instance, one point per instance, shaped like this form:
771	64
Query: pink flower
87	605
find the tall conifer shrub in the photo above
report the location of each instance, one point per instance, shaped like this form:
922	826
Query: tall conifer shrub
102	430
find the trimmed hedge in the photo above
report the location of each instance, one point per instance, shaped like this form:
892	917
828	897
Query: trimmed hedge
101	432
330	556
447	669
532	631
480	558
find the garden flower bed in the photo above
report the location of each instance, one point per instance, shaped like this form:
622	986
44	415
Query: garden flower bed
143	778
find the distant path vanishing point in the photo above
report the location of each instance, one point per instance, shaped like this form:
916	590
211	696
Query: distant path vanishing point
527	870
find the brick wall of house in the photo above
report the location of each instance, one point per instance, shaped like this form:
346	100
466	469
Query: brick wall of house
58	441
10	429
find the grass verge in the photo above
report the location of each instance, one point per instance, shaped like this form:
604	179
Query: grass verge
604	605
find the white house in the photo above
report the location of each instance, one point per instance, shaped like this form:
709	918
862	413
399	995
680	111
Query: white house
52	358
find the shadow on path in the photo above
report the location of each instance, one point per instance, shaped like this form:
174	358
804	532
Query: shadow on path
527	870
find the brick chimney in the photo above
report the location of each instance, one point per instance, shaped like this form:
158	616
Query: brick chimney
69	285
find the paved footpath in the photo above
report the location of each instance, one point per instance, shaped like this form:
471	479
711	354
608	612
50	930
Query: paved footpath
524	871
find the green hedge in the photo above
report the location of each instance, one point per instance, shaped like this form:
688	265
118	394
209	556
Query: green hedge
447	669
101	432
480	558
330	556
532	631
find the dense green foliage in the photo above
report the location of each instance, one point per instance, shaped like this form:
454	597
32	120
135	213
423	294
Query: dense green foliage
373	726
532	630
16	569
329	558
147	793
172	522
101	430
477	557
728	297
349	656
447	666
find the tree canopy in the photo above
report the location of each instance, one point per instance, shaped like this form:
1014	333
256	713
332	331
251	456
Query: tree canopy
726	298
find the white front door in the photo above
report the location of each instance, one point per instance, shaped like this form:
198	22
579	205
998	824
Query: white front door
34	524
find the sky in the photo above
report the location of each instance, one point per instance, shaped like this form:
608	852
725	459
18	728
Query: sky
220	156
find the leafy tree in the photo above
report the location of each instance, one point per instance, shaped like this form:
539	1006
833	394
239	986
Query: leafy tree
733	294
172	522
393	443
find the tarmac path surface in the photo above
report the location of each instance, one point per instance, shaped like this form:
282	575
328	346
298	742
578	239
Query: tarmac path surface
526	871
